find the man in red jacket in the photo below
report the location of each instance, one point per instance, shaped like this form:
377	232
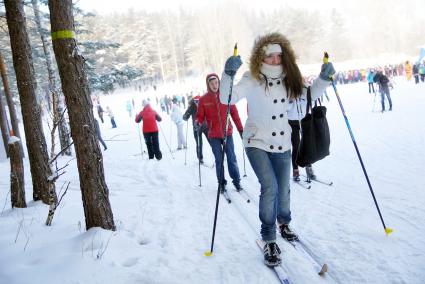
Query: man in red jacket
214	113
150	129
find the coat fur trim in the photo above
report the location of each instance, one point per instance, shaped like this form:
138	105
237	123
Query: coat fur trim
258	53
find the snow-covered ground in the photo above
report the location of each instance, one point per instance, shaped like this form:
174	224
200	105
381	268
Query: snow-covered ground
164	218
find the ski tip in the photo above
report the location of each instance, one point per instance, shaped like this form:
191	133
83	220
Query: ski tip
323	270
388	231
208	253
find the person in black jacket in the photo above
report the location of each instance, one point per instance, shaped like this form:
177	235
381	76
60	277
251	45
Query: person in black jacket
100	112
197	130
99	135
416	72
383	81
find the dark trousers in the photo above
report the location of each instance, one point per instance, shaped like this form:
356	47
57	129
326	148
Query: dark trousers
295	141
416	78
199	143
152	143
371	87
114	125
102	142
385	91
232	165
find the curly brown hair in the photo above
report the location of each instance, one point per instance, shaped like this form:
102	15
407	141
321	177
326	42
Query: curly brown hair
293	79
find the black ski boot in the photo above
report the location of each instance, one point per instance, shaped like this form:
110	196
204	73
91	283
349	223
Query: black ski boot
272	254
296	175
287	233
223	187
310	172
238	186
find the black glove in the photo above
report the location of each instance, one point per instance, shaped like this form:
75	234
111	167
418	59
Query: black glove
196	127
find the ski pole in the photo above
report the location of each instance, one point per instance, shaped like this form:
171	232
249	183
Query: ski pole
166	141
140	141
171	137
374	99
244	168
209	253
185	150
387	230
198	133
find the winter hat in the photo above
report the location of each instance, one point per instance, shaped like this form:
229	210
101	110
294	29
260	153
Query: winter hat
145	103
212	77
272	48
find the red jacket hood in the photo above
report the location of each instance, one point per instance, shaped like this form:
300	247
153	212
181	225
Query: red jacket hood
207	79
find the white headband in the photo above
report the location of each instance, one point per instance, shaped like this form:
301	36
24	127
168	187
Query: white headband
272	48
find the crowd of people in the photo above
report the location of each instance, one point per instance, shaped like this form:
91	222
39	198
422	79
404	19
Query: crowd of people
276	96
273	86
390	71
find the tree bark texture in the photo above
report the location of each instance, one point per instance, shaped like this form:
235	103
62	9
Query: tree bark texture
24	69
12	111
58	109
4	125
17	184
95	193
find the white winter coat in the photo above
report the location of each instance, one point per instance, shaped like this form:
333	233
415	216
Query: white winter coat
267	125
176	115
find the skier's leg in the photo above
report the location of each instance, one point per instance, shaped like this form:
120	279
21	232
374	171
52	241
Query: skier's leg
281	167
295	141
200	155
387	93
382	99
217	149
102	142
263	168
155	145
149	145
180	132
232	164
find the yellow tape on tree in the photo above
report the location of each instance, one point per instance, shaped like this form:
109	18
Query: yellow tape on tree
64	34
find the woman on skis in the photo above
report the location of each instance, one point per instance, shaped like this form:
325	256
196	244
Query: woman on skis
272	82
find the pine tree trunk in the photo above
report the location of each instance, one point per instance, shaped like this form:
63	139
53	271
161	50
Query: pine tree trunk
97	208
24	69
17	184
3	125
58	115
161	63
173	48
12	111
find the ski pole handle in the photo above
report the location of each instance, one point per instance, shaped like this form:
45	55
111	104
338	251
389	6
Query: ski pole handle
326	58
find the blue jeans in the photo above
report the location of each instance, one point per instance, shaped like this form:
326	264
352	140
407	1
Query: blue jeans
385	91
273	173
232	164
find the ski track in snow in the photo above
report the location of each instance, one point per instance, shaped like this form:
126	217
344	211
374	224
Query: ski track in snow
164	219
